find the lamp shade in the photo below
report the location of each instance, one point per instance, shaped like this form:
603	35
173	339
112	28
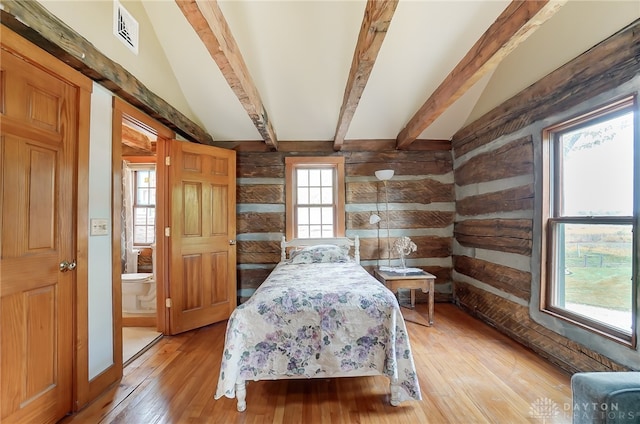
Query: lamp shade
384	174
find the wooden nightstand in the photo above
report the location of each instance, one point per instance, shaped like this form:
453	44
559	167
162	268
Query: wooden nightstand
415	280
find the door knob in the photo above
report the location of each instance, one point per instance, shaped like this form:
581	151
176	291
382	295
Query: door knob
232	242
67	266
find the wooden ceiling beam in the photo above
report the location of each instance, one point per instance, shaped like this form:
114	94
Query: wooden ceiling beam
375	23
207	20
135	139
516	23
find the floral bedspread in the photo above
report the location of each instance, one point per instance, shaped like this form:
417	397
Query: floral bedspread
318	320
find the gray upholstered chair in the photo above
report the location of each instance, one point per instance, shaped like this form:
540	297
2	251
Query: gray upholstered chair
606	397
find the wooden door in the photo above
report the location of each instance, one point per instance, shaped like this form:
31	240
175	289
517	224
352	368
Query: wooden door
202	275
37	227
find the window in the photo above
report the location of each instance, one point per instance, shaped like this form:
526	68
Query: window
588	233
144	206
315	197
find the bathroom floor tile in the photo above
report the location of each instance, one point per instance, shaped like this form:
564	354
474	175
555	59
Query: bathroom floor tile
136	340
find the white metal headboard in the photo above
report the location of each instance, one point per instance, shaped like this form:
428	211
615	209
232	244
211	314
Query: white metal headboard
338	241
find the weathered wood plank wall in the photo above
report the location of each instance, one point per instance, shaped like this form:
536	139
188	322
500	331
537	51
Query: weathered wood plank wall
494	180
421	206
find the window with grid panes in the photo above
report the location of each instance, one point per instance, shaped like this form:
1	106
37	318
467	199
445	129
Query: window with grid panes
315	197
144	206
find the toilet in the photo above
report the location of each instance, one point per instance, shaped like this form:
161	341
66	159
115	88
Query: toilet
136	290
139	291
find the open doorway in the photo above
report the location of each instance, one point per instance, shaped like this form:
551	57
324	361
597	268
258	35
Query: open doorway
195	228
139	210
139	258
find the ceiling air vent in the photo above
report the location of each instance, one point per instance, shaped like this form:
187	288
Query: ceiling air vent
125	27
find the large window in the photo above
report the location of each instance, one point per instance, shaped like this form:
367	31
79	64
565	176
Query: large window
315	197
590	191
144	206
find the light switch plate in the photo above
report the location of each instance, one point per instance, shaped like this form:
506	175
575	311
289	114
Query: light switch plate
99	227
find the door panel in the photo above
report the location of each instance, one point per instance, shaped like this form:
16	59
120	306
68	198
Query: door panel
37	233
202	285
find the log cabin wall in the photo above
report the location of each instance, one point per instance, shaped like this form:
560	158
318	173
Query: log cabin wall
496	238
421	206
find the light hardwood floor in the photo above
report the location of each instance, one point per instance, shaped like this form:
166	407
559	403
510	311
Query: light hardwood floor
469	373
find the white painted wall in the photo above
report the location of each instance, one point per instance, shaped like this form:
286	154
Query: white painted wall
93	20
100	246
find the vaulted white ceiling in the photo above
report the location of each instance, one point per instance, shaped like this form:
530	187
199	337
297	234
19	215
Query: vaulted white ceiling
299	53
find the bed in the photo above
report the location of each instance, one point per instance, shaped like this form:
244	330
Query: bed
319	314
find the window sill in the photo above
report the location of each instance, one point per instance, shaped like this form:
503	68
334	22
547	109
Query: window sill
600	329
